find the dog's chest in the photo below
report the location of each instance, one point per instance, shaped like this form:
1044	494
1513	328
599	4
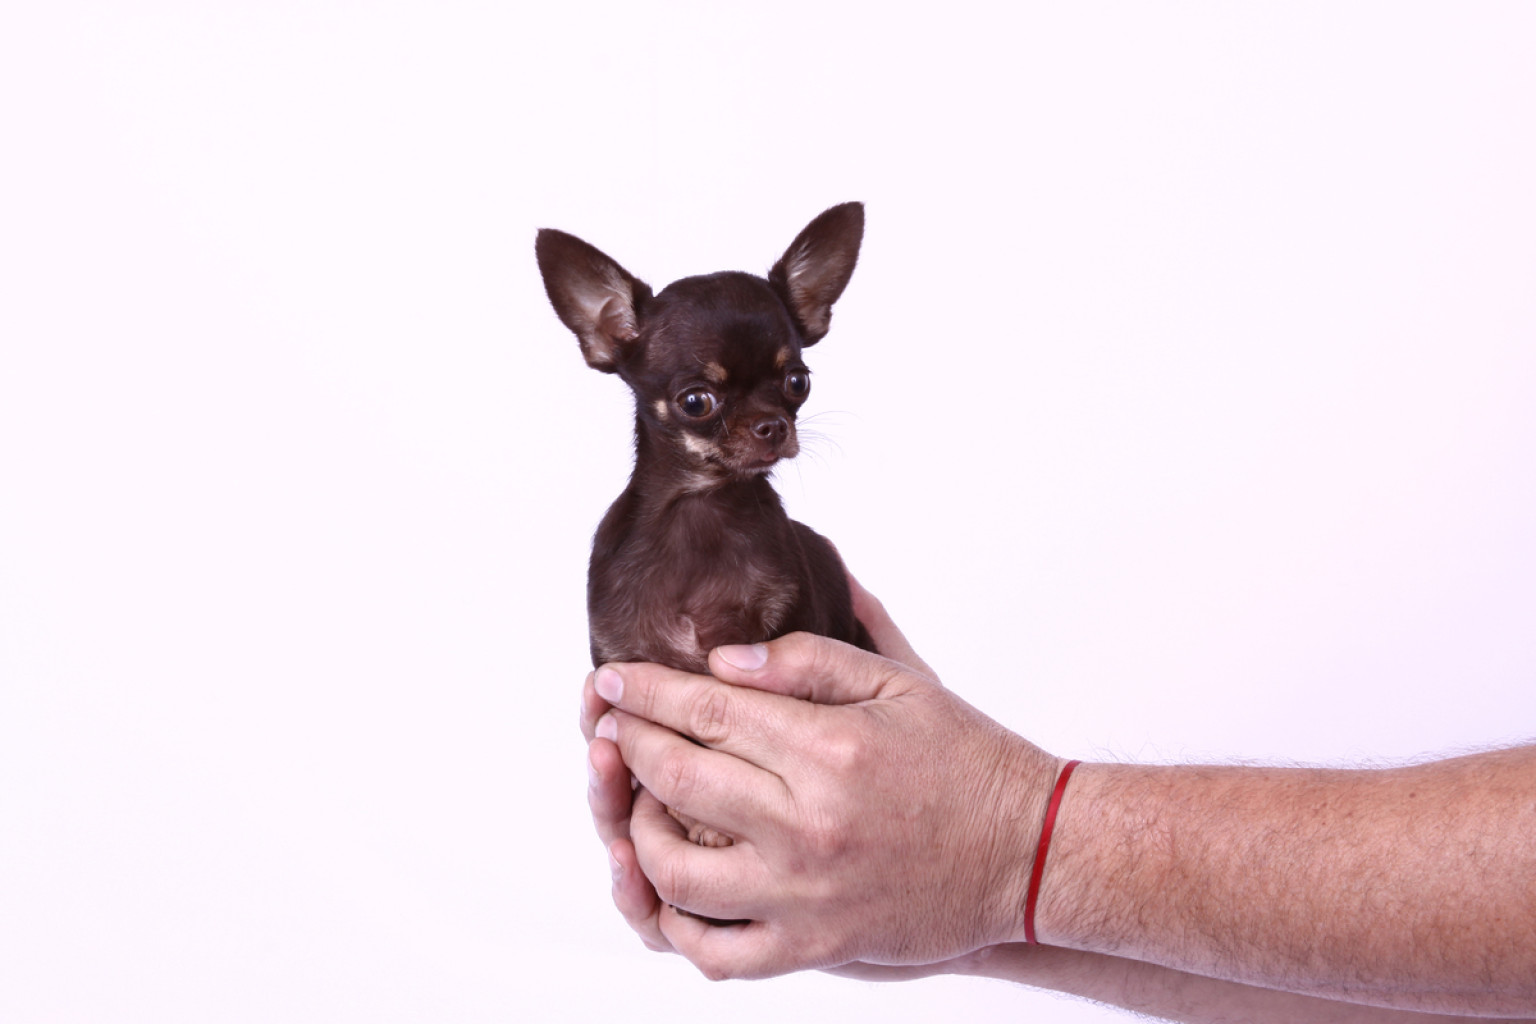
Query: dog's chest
675	589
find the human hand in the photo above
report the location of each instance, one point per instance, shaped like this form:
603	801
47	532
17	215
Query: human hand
611	794
886	822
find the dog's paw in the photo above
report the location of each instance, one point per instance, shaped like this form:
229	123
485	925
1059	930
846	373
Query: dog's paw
705	836
700	833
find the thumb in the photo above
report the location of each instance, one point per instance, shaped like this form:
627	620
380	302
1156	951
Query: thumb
808	667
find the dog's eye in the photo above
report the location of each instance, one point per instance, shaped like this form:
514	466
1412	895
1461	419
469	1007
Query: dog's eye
697	403
797	384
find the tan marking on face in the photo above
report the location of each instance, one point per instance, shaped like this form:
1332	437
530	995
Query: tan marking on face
780	360
714	373
703	475
661	408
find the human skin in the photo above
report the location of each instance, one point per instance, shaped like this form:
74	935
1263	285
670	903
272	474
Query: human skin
886	829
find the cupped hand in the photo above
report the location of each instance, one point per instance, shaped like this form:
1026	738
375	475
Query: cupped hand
877	818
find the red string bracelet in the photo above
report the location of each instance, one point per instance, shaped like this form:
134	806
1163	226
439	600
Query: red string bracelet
1038	871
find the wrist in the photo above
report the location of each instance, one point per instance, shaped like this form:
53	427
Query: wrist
1103	813
1042	850
1031	777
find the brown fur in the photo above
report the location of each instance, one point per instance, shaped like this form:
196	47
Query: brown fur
697	551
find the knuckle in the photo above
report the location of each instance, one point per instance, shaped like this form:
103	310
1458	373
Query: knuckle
672	883
802	650
829	659
715	971
640	695
844	752
676	777
825	841
796	642
710	717
716	966
815	659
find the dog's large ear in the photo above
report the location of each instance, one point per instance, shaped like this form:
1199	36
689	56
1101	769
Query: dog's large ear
816	267
596	298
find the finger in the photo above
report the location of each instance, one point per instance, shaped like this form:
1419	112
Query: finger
592	707
720	952
889	640
716	788
609	794
749	724
635	897
755	949
809	667
719	883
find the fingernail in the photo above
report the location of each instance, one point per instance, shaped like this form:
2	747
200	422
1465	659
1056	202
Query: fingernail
609	685
744	656
607	728
614	865
592	776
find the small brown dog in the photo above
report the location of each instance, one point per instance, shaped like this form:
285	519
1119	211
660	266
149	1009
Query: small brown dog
698	551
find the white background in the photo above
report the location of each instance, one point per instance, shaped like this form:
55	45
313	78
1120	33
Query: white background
1183	406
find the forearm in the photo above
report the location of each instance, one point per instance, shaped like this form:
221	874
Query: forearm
1167	994
1412	887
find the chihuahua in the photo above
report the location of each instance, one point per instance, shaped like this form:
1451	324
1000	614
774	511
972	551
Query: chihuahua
698	551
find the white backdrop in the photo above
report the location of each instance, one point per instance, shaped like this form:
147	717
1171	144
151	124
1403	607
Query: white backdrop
1183	406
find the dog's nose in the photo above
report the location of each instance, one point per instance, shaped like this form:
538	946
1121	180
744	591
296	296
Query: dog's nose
773	429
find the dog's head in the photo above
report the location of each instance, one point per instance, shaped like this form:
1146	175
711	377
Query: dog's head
714	361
